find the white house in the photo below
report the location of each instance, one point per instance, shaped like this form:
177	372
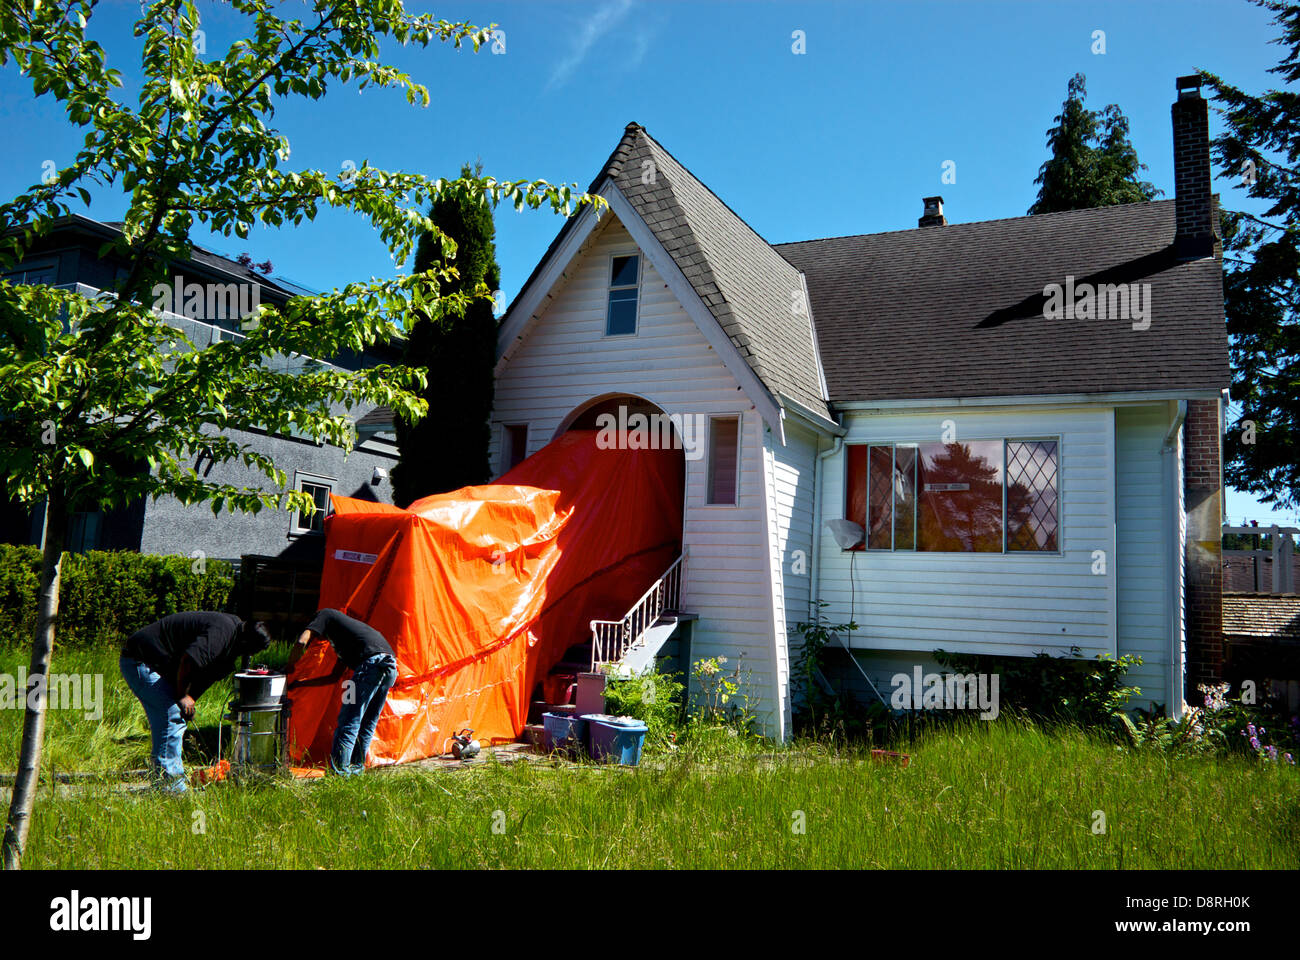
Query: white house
1023	415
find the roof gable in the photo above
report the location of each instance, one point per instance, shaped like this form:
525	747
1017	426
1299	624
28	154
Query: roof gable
753	294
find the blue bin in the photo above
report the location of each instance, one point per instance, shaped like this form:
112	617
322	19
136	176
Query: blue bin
564	731
618	738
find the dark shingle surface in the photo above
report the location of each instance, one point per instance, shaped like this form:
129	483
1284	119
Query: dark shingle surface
1261	616
956	311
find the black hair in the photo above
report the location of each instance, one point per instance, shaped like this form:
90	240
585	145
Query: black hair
253	637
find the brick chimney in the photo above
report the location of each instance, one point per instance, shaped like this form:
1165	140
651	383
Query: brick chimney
933	216
1196	235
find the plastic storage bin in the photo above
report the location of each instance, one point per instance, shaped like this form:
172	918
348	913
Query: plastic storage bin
618	738
564	731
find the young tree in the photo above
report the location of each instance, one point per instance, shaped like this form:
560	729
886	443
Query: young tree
450	448
1261	279
103	400
1093	163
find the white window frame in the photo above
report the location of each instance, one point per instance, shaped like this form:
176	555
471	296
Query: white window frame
708	459
609	287
299	478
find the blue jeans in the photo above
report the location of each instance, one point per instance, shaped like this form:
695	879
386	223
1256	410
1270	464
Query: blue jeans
166	723
359	715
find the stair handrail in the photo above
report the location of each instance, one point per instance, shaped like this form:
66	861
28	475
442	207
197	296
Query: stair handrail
618	636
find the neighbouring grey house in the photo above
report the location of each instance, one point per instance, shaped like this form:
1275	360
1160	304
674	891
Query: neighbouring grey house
69	257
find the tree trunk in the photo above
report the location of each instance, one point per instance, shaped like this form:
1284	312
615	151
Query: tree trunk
29	757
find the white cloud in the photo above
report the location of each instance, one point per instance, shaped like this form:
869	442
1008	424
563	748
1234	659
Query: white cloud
599	24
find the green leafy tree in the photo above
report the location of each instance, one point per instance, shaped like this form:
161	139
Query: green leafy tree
103	400
450	448
1093	162
1259	149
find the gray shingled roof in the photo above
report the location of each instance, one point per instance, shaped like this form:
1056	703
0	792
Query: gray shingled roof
1260	616
957	311
744	282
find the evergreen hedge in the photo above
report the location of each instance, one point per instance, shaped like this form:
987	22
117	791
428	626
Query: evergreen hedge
106	595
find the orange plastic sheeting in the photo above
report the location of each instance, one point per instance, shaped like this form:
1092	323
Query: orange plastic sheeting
482	590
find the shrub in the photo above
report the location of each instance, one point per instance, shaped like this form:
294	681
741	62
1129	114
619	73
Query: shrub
1070	689
654	698
105	596
726	698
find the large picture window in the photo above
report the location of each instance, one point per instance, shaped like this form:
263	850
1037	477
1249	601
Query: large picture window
981	496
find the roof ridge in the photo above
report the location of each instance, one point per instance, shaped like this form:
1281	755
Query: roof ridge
976	223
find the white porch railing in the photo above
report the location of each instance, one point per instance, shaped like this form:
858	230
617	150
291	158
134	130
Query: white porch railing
611	639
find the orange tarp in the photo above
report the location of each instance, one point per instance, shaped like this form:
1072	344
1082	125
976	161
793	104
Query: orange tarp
481	591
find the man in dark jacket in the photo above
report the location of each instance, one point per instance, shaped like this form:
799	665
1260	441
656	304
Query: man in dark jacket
363	649
169	664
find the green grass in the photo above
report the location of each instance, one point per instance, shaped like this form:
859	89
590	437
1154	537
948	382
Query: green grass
1001	795
119	740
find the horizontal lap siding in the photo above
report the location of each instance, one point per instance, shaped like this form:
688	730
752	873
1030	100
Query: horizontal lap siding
1144	529
790	509
985	603
566	361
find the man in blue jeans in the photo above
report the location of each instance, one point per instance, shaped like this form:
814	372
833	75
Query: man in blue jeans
363	649
169	664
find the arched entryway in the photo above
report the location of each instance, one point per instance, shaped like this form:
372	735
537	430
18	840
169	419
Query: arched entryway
631	413
627	408
587	416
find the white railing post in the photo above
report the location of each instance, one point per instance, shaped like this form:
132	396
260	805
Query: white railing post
664	594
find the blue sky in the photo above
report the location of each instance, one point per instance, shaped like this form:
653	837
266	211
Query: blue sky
845	138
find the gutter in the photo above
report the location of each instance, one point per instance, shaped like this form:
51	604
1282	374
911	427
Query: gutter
1176	705
1119	397
817	421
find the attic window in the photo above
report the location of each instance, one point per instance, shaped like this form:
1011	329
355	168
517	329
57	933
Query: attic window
624	283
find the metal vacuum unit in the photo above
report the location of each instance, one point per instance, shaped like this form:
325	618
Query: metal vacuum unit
259	716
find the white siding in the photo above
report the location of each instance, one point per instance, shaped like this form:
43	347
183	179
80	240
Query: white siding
1145	531
1007	604
789	475
565	361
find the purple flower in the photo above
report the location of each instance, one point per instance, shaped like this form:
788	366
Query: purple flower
1254	742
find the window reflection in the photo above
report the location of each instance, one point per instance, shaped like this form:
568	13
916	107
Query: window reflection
961	496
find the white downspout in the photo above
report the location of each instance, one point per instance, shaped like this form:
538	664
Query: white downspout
1175	704
817	525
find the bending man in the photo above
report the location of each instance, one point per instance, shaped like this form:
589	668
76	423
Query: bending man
364	650
169	664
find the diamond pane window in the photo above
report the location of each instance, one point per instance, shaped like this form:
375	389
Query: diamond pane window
880	499
1032	502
